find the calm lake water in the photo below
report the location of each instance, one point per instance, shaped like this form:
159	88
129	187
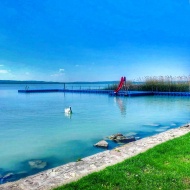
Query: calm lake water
35	127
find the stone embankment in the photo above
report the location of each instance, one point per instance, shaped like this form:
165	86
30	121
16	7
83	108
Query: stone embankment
72	171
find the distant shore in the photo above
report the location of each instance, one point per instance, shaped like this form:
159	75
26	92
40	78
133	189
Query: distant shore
51	82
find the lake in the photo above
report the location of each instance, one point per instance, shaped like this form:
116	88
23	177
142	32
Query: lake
35	127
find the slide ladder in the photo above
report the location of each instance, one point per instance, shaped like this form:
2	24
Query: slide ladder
122	81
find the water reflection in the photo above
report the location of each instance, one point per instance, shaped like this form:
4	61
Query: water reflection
68	115
121	105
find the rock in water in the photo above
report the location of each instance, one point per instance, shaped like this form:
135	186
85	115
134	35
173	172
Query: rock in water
187	125
124	139
102	144
38	164
113	137
121	138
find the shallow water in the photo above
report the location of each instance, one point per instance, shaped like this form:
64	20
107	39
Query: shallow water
34	126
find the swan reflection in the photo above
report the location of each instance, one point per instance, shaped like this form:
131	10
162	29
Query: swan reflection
68	115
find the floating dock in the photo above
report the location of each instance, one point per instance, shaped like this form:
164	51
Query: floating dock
172	93
38	91
109	92
66	90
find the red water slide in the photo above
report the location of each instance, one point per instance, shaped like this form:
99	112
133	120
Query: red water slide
122	81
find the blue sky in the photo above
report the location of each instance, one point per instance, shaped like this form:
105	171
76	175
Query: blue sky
93	40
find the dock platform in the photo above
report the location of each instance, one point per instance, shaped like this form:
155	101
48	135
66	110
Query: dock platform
172	93
66	90
109	92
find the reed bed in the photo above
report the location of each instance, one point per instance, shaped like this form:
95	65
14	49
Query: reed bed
160	84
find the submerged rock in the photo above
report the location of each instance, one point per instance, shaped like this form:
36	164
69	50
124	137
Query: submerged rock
131	134
187	125
124	139
102	144
22	173
121	138
7	176
37	164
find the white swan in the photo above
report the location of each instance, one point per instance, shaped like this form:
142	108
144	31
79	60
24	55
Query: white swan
68	110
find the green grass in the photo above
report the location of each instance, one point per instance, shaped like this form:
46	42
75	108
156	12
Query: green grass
166	166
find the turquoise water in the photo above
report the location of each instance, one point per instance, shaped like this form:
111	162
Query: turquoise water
34	126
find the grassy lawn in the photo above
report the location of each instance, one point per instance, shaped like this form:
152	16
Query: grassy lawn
166	166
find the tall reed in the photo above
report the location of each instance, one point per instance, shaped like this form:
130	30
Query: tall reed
158	83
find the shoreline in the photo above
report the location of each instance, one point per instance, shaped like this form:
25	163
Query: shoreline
73	171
